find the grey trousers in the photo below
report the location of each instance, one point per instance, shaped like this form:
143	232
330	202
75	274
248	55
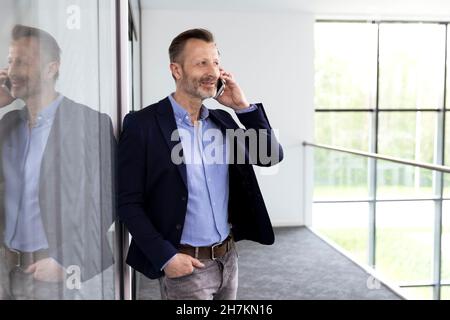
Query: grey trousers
19	285
15	284
218	280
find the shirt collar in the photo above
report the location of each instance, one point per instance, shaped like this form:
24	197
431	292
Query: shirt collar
181	113
47	113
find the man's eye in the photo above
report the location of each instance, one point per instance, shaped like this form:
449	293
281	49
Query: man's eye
16	62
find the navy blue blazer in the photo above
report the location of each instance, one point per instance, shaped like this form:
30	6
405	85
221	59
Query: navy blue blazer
153	192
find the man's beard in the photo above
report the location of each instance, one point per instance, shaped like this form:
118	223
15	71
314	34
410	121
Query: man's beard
25	90
194	87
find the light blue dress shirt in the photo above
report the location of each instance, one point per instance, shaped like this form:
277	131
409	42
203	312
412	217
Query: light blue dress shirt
206	221
22	156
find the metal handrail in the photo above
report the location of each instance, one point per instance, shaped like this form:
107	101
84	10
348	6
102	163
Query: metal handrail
381	157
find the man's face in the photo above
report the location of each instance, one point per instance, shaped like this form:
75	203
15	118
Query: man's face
199	69
27	69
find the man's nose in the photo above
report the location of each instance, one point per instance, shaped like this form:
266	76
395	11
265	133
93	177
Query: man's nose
214	71
13	70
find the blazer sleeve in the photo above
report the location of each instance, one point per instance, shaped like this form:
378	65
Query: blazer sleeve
132	167
261	146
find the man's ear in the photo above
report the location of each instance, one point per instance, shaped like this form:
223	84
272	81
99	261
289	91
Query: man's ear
177	72
52	70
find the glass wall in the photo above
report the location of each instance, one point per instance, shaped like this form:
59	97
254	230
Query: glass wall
397	181
58	118
412	60
408	135
346	60
405	240
134	104
340	176
445	267
337	177
447	186
345	224
348	130
380	87
134	54
447	138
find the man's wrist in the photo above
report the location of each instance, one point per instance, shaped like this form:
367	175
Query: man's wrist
167	262
242	106
251	107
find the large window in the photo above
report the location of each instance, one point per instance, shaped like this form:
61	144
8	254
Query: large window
346	61
447	139
412	60
345	224
381	87
405	240
446	250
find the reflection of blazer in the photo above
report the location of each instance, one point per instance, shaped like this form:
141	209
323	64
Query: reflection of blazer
75	187
153	193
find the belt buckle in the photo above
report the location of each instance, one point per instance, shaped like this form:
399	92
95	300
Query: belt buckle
212	250
18	262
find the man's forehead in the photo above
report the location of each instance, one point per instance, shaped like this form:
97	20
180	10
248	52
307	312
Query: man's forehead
25	44
196	45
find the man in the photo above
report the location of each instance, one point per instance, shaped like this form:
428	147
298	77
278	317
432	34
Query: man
56	176
185	216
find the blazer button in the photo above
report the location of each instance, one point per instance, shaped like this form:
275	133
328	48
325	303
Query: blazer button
178	226
183	198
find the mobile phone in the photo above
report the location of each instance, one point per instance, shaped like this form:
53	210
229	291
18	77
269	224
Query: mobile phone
7	84
220	87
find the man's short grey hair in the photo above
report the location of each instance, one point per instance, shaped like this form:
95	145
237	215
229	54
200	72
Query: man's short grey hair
48	43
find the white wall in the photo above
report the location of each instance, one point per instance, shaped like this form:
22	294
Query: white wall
371	9
271	56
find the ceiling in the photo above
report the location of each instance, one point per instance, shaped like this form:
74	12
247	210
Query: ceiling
383	8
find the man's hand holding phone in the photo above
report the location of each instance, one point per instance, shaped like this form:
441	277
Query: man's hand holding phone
232	96
220	87
5	86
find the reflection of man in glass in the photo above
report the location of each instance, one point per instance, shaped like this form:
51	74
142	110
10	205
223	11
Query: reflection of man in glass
55	197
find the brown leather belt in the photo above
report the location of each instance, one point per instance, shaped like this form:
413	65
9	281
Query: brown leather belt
18	259
212	252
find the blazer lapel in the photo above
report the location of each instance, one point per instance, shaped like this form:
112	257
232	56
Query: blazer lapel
57	151
167	124
61	126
